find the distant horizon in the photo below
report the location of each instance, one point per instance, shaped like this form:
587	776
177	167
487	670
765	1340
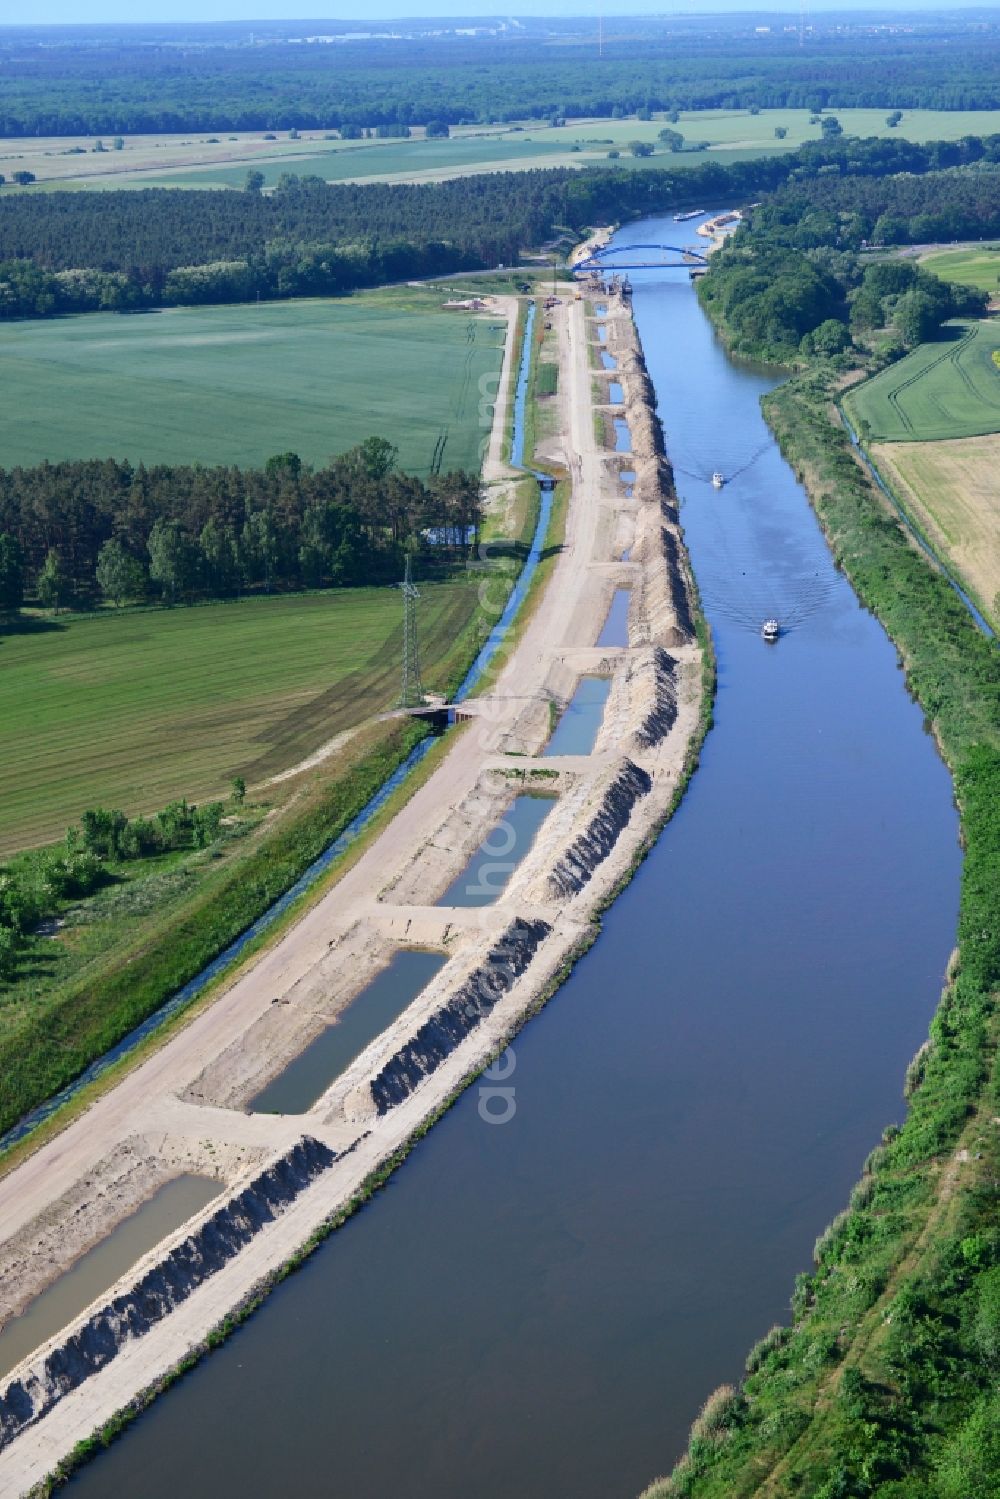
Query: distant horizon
236	12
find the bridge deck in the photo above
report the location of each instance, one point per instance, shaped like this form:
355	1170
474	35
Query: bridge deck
606	259
641	265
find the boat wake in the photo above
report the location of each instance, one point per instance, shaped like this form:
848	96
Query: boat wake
745	599
728	475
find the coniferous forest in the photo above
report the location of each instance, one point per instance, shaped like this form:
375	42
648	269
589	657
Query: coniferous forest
261	76
75	532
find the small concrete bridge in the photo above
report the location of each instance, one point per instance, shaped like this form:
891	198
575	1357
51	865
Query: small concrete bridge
641	258
440	715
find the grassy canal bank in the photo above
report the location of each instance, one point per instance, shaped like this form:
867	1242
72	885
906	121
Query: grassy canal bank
885	1383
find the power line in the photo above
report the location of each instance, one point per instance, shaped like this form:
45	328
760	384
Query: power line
413	692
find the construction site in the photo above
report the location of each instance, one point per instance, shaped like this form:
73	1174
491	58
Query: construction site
473	900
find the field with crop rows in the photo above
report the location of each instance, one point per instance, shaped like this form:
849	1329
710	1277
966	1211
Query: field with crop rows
948	388
950	488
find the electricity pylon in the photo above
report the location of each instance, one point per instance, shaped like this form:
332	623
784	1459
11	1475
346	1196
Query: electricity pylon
413	692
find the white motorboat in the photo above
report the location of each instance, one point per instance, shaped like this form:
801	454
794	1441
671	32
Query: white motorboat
770	629
718	480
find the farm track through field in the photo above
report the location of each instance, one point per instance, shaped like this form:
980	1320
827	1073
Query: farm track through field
135	710
376	685
960	369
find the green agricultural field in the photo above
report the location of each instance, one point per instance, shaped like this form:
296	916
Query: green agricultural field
979	267
130	711
412	160
61	158
948	388
236	384
186	161
731	135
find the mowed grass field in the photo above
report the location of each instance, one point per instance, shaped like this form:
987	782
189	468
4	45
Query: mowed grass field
129	711
951	490
205	161
235	384
945	389
978	266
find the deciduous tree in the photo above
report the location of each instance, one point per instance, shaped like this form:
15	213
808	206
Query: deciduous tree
52	586
119	575
172	559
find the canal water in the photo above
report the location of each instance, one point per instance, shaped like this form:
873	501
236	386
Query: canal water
541	1307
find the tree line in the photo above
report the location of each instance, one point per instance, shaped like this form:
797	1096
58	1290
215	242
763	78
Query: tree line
125	250
73	533
124	86
282	269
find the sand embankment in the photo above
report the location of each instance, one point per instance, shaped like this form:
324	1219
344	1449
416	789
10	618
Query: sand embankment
598	239
720	228
184	1107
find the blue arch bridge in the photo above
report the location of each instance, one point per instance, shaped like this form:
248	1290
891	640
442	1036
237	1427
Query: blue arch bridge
640	258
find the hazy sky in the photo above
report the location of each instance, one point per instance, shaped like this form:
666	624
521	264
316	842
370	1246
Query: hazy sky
13	12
